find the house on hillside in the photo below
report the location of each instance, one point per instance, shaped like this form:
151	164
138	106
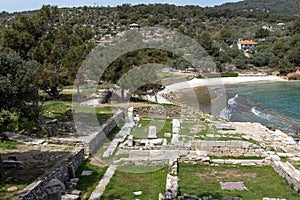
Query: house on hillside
134	26
246	44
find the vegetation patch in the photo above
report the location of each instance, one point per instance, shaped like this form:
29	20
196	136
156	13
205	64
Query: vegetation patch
13	182
162	126
8	144
87	184
203	180
56	109
122	185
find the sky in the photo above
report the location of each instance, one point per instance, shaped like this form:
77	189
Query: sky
24	5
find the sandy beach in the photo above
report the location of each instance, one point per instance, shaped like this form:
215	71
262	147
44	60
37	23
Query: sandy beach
220	81
210	82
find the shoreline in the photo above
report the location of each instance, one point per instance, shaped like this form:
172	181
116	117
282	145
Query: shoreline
220	81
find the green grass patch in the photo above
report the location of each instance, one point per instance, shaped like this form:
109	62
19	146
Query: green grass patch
104	113
190	127
56	109
4	194
8	144
203	180
229	74
200	77
162	126
225	74
122	185
87	184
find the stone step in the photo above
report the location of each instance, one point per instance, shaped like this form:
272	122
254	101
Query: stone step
97	193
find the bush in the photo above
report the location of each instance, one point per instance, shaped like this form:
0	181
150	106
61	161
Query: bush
8	120
200	76
229	74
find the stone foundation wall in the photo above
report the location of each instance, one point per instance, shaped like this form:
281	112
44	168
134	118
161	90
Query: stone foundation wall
63	171
232	148
94	142
142	161
287	171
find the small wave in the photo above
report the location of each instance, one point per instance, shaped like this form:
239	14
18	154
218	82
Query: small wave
226	113
233	100
262	114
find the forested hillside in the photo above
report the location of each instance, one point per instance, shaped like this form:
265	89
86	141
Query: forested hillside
281	7
53	42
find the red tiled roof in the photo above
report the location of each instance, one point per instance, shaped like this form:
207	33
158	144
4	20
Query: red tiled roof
247	42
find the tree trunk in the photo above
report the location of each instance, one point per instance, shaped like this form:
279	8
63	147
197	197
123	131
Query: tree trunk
78	93
2	172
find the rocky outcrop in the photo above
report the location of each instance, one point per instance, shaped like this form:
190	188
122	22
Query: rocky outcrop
293	76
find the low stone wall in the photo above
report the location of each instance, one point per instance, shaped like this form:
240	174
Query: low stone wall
62	171
142	161
94	141
287	171
232	148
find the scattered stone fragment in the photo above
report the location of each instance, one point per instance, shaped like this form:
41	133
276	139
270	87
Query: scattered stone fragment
161	196
86	173
69	197
168	135
138	193
233	186
12	189
152	132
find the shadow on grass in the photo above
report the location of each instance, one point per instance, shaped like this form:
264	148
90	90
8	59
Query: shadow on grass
87	184
35	164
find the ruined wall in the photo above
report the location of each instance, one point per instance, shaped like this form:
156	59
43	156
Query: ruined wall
63	171
287	171
232	148
94	141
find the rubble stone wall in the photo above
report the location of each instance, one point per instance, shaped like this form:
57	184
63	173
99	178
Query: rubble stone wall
290	175
63	171
94	142
232	148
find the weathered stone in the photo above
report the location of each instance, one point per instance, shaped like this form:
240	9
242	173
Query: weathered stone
138	193
168	135
152	132
86	173
130	140
161	196
130	115
175	126
12	189
74	180
70	197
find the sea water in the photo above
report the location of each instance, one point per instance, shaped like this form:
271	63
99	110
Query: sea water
273	104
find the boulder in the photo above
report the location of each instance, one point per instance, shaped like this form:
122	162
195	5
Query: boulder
293	76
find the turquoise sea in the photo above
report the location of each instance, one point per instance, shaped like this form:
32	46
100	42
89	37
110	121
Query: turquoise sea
273	104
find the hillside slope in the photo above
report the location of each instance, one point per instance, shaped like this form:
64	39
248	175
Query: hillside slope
281	7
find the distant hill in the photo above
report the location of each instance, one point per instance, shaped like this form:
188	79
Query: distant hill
281	7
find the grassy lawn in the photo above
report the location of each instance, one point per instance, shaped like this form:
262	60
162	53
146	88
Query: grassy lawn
8	144
162	126
188	127
4	194
203	180
56	109
123	184
87	184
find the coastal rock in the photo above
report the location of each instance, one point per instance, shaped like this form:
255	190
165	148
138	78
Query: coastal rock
293	76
